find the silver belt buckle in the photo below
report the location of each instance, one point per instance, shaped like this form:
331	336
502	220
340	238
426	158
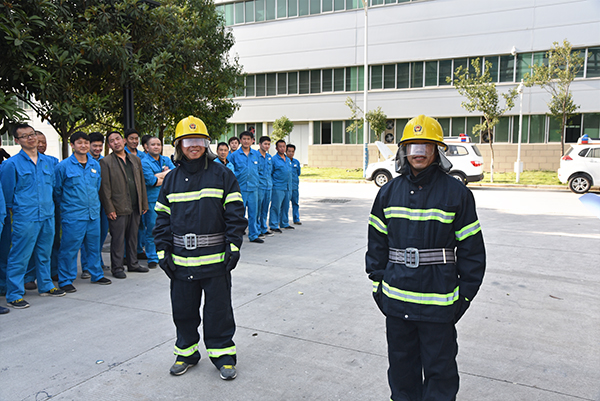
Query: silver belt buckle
411	257
190	242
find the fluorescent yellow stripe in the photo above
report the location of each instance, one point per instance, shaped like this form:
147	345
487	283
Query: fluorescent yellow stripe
159	207
233	247
375	286
468	230
232	197
186	352
195	195
419	214
420	298
160	254
217	352
377	224
195	261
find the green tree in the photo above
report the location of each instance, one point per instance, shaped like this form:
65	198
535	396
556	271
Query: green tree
556	77
282	127
482	96
377	119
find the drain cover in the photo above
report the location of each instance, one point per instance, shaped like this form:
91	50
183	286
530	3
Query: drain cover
329	200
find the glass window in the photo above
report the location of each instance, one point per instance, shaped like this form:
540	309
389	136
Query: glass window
315	6
271	9
524	132
472	122
524	61
351	4
7	139
260	85
337	132
416	75
460	62
339	5
593	63
507	68
540	58
458	126
573	129
281	83
582	55
239	128
240	81
249	11
220	9
259	10
537	132
361	77
591	125
327	80
502	129
351	79
315	81
317	133
271	84
250	85
403	73
445	123
389	76
292	83
292	8
327	5
390	1
258	129
350	136
302	7
338	80
376	77
326	132
359	134
304	84
400	124
472	68
376	2
493	60
281	8
229	14
445	70
239	12
404	1
431	73
553	130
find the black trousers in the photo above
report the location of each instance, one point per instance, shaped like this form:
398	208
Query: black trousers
422	359
124	231
218	327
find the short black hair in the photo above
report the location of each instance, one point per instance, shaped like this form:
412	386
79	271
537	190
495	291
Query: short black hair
290	146
222	144
233	138
251	127
279	141
96	137
146	138
18	127
78	135
264	138
130	131
113	132
246	133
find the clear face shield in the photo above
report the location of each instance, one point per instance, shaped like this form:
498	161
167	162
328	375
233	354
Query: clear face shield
421	149
189	142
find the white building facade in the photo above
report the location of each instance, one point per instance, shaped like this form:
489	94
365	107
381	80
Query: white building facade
305	57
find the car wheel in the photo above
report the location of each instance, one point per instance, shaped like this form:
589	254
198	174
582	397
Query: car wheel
382	177
580	184
459	176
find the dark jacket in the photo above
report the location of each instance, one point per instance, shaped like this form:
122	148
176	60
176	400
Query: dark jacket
114	192
429	211
199	197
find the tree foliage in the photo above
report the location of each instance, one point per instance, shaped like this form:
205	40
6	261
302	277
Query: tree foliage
377	119
482	96
282	127
556	77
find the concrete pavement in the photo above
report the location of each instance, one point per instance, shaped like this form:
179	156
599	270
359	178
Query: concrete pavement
308	328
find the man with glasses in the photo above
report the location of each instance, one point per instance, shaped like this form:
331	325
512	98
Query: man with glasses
27	180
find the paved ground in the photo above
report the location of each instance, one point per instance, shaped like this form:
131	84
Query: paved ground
308	328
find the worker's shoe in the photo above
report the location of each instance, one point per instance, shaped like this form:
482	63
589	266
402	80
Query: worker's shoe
180	367
31	286
298	223
119	274
85	275
262	236
268	234
19	304
152	265
228	372
289	228
257	240
55	292
276	230
139	269
4	310
103	281
68	288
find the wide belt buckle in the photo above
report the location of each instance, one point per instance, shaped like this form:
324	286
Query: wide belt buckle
411	257
190	241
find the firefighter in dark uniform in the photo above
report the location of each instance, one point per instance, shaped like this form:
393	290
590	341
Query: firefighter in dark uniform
198	235
426	259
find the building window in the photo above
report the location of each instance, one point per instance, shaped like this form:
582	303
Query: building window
416	75
502	130
377	77
302	7
292	83
292	8
351	79
239	12
327	6
524	61
591	125
537	130
259	10
281	83
444	122
317	133
507	68
249	11
271	9
304	84
339	5
593	63
260	85
493	60
250	85
338	80
458	126
337	132
271	84
389	76
326	132
431	73
281	8
471	123
524	131
328	80
315	81
315	7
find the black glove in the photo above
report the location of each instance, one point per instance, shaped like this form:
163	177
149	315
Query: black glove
232	257
167	265
461	307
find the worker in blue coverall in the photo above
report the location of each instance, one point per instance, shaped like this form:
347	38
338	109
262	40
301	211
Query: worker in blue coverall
27	180
5	239
156	167
222	154
3	310
282	187
77	182
290	151
30	275
265	186
96	147
247	171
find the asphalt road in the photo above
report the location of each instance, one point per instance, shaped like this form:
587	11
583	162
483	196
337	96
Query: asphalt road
307	328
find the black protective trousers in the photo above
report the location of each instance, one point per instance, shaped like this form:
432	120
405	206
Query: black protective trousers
422	358
219	325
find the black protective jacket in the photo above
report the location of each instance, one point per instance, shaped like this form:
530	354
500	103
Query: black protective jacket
429	211
199	197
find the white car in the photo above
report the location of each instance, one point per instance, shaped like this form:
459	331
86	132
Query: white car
580	166
467	162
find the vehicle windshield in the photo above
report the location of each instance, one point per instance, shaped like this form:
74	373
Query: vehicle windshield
477	152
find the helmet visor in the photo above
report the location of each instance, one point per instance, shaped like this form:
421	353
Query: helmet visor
187	142
420	149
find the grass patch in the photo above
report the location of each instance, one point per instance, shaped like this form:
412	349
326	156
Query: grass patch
332	173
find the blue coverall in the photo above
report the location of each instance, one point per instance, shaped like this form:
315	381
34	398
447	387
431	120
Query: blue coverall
28	188
247	172
280	197
5	238
152	167
294	198
76	190
264	191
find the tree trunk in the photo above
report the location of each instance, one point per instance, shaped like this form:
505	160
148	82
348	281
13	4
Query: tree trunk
563	127
491	140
